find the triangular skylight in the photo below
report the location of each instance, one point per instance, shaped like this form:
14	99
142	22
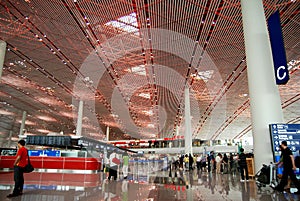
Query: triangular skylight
126	23
140	70
203	75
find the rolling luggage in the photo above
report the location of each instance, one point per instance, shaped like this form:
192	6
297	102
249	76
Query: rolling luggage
266	177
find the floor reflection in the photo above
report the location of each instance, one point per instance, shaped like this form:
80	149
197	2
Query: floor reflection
182	185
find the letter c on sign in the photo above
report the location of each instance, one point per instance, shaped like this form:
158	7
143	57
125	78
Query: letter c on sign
278	73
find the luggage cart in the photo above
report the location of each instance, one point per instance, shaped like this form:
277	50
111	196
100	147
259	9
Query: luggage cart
266	177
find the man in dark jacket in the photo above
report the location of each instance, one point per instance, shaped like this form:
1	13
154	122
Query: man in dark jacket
288	168
243	165
191	161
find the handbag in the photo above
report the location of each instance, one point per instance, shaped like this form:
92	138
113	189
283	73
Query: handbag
116	161
28	168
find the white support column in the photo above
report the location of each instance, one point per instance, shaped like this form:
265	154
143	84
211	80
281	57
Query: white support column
187	117
21	132
107	133
264	95
2	55
79	119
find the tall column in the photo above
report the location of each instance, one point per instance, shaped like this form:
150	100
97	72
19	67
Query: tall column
264	95
107	133
23	123
2	55
79	119
187	116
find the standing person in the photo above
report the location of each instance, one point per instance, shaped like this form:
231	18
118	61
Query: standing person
219	163
113	166
186	162
225	163
203	163
208	163
243	165
191	161
198	161
19	164
125	165
288	168
181	160
231	162
213	161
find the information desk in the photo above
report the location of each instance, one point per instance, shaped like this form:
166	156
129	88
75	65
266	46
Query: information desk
55	164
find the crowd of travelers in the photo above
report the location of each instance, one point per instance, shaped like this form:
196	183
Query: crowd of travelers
214	162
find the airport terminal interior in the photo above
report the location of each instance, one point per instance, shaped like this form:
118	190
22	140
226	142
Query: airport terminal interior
88	82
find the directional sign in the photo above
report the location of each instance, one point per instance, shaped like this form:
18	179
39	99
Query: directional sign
285	132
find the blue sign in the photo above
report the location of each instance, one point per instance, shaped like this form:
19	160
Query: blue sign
35	152
278	50
285	132
52	153
44	153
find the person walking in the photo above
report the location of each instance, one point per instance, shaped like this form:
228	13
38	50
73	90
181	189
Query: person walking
191	162
186	162
225	163
125	165
219	162
114	161
19	164
243	165
288	168
198	161
231	162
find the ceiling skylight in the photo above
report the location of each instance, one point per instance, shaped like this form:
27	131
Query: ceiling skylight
140	70
203	75
145	95
148	112
126	23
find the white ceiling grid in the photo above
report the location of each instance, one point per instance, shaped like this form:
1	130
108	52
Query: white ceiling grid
134	83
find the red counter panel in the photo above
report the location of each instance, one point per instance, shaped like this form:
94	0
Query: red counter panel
60	163
47	162
75	163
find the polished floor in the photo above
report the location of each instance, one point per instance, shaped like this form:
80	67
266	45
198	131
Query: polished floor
193	185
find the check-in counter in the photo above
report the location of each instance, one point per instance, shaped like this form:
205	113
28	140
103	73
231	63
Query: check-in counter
55	164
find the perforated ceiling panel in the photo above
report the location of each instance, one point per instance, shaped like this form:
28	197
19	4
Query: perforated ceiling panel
129	61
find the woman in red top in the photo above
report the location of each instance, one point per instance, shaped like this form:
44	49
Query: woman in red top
19	164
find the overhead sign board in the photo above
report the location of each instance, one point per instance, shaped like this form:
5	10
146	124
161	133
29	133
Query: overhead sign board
49	140
285	132
278	49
